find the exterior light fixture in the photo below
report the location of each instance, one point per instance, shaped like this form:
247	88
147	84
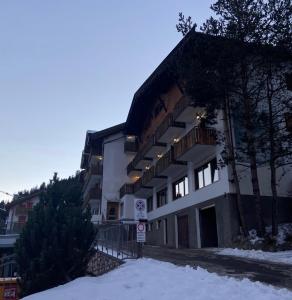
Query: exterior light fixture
176	140
159	155
147	167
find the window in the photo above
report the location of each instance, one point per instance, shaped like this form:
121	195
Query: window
289	81
150	227
207	174
162	198
180	188
158	224
149	204
122	210
112	213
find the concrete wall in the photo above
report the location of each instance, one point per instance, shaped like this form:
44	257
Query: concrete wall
115	162
227	220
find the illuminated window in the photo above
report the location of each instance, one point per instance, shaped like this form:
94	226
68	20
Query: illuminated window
180	188
207	174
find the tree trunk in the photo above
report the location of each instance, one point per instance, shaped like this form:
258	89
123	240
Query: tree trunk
272	158
231	159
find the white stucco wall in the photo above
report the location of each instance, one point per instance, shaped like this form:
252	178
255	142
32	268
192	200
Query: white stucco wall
115	162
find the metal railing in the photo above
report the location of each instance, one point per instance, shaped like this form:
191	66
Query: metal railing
117	240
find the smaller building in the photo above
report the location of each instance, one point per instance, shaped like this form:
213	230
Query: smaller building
18	210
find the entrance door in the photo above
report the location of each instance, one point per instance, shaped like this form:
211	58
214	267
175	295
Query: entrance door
209	237
183	231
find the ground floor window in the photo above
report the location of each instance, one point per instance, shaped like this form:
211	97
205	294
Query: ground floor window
207	174
180	188
162	197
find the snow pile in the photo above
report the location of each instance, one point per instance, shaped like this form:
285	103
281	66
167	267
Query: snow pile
285	231
281	256
149	280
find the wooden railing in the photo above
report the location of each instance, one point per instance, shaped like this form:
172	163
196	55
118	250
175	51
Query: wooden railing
165	161
166	123
130	146
96	169
148	175
126	189
181	105
203	136
20	210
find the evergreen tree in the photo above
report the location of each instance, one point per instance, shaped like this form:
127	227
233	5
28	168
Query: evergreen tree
239	68
53	247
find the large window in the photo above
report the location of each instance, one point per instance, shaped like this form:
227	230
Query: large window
162	198
207	174
149	204
180	188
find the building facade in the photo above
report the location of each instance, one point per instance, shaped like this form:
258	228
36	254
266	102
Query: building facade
175	163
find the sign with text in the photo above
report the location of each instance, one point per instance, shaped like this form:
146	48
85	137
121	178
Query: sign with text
141	232
140	209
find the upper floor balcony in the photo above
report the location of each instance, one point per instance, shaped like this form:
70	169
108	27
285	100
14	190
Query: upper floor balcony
185	110
169	129
130	145
93	175
126	189
21	210
196	145
142	191
167	165
94	193
150	178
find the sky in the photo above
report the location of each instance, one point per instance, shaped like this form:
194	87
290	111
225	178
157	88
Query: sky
67	66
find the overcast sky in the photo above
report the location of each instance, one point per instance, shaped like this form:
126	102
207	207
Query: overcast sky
67	66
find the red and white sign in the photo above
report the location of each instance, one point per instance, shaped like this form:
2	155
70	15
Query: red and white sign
141	232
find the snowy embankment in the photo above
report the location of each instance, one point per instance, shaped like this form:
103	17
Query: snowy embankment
278	257
148	279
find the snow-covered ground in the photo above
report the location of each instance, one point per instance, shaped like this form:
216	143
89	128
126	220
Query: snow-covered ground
148	279
281	256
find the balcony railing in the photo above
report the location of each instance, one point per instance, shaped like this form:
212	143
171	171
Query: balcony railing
181	105
201	136
165	161
130	147
167	123
148	175
96	169
126	189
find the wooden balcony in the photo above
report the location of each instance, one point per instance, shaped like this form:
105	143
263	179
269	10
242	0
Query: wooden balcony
153	148
130	146
141	190
126	189
169	130
184	110
94	193
151	179
96	169
196	145
168	166
132	171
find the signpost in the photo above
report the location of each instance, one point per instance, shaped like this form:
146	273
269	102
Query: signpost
140	211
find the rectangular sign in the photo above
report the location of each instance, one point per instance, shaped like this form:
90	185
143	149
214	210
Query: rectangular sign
141	232
140	209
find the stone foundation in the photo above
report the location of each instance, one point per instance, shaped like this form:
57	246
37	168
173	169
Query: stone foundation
101	263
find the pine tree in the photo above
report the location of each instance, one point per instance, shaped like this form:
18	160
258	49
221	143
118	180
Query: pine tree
53	247
252	28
